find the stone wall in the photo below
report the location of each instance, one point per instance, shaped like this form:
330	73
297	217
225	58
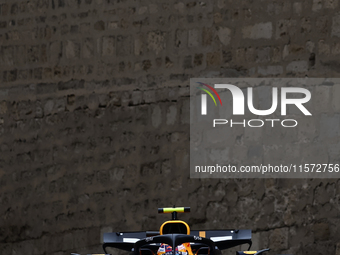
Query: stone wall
94	109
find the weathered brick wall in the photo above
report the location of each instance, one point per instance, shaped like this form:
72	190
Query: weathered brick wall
94	119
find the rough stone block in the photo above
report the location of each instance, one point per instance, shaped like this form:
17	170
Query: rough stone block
180	7
185	112
324	48
3	107
297	67
187	62
108	46
153	8
88	48
117	173
48	107
213	58
198	60
224	34
278	238
146	64
32	54
24	75
43	88
136	97
55	51
142	10
270	70
156	41
337	252
149	96
263	55
317	5
171	115
113	25
306	26
20	55
336	49
156	117
73	84
138	46
258	31
331	4
68	241
310	46
297	7
194	38
207	36
336	25
99	25
286	27
124	46
321	231
72	49
181	38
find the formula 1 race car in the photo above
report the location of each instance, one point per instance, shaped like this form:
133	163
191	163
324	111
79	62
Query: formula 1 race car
175	233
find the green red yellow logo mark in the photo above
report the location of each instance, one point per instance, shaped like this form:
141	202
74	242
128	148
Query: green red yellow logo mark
209	93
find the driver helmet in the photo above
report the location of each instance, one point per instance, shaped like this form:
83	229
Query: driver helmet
166	249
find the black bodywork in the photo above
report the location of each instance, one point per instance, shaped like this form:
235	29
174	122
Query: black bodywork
176	232
149	242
